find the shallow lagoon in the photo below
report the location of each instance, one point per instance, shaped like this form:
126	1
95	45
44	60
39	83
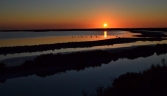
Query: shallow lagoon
72	82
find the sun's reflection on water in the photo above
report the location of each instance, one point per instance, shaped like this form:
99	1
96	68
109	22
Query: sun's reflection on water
94	36
105	34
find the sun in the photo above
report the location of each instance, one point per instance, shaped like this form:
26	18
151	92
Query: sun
105	25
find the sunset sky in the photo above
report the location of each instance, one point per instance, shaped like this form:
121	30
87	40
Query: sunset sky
58	14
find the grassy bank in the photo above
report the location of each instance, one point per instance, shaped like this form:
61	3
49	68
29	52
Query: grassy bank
50	64
150	82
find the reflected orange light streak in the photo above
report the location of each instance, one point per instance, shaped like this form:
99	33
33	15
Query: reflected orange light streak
105	34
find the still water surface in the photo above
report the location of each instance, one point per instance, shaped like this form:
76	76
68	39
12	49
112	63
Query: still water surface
36	38
72	82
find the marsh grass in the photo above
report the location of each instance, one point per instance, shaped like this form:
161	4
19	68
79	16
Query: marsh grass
150	82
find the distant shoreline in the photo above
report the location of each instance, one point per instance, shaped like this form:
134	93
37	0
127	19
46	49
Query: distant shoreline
91	29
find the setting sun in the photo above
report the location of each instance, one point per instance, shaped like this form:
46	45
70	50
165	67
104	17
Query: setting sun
105	25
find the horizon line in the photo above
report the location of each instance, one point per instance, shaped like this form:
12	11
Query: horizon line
88	29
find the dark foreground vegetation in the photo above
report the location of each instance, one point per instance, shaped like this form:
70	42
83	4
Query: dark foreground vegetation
45	47
151	82
50	64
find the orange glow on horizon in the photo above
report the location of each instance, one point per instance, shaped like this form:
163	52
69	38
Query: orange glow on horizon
93	23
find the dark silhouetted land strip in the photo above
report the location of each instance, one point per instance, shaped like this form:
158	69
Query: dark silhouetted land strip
151	82
91	29
50	64
146	33
45	47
